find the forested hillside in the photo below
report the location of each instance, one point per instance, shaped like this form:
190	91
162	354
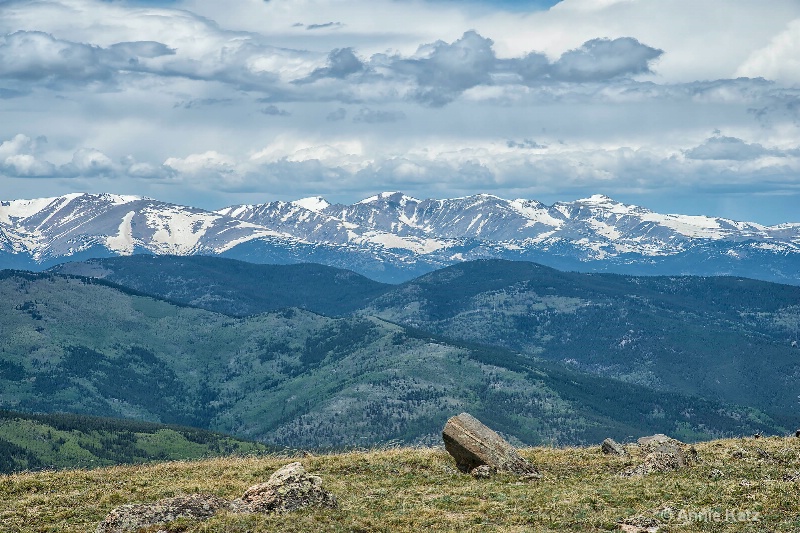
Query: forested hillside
62	440
730	339
296	378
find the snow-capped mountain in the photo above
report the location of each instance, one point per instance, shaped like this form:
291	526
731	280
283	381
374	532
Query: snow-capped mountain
48	229
392	236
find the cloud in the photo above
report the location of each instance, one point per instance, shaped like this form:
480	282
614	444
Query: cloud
588	95
202	102
779	60
34	55
781	108
131	52
148	171
435	75
18	159
88	162
26	165
731	149
444	70
204	165
337	115
325	25
38	56
374	116
342	62
604	59
275	111
526	144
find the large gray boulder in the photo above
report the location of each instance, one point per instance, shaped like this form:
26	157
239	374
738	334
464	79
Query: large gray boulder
472	445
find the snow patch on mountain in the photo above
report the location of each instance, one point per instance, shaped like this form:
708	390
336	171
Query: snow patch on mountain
177	231
416	245
123	241
696	227
606	230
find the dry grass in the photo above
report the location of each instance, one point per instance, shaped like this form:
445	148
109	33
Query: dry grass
417	490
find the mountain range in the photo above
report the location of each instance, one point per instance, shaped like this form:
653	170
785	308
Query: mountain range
392	237
704	336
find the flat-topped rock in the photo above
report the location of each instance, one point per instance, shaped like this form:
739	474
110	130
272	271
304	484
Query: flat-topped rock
134	517
473	444
658	438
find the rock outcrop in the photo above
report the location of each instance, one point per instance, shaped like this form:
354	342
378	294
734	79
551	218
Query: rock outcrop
134	517
661	454
472	445
288	489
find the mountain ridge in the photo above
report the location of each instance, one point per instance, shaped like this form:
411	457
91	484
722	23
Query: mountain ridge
393	237
684	334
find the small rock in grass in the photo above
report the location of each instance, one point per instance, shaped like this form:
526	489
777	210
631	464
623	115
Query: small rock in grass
483	472
639	524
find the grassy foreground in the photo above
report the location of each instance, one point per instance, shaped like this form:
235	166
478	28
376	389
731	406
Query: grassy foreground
752	485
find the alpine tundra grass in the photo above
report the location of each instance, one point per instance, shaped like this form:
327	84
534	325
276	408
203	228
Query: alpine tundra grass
737	485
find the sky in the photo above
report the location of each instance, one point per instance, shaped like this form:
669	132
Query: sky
680	106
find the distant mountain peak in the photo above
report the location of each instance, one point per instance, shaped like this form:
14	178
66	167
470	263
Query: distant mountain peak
313	203
598	199
391	196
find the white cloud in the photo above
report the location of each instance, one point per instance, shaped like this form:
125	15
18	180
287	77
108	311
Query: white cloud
726	148
207	162
19	144
779	60
17	158
26	165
